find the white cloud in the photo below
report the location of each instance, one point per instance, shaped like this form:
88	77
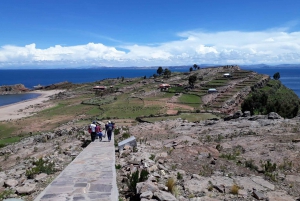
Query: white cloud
227	47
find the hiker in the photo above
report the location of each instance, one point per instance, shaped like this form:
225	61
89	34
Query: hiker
99	132
93	131
109	127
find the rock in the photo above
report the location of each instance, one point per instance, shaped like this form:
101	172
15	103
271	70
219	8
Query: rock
262	182
258	195
237	114
228	118
1	182
247	114
3	175
162	155
196	186
26	189
279	196
40	177
164	196
147	195
11	183
161	167
145	186
152	168
274	115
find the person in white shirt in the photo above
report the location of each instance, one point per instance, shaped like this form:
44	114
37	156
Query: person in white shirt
93	131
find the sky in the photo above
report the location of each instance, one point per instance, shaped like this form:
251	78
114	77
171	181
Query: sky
119	33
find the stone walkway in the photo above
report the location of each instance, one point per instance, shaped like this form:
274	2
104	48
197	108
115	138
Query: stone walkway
91	176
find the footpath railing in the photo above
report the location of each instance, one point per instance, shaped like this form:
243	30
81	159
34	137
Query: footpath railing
90	176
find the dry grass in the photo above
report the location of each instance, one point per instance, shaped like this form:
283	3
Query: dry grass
171	184
234	189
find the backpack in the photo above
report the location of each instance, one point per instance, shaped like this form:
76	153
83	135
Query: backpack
110	127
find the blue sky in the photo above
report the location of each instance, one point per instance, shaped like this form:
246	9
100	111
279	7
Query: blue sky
73	33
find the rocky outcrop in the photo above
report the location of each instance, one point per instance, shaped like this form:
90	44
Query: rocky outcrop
13	89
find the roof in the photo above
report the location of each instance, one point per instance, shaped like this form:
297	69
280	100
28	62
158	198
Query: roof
164	85
212	89
99	87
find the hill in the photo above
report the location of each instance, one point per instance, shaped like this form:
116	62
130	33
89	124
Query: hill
178	124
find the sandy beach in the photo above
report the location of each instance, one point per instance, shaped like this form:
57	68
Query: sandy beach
28	107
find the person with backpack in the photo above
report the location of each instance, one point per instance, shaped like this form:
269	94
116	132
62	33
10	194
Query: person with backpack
99	132
109	127
92	128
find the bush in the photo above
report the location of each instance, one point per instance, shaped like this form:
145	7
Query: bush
41	166
152	157
125	135
179	176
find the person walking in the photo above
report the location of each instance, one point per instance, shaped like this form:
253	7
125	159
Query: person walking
93	131
109	127
99	132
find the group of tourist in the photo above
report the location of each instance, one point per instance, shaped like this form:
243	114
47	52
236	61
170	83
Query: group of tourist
96	131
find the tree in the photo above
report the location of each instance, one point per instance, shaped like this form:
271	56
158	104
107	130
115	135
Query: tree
167	73
160	70
191	69
195	66
276	76
192	80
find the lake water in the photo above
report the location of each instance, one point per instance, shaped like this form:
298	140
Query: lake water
290	77
14	98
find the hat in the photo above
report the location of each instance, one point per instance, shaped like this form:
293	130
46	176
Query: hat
109	122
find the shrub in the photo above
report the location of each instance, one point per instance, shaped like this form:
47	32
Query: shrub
179	176
125	135
132	181
117	131
41	166
136	177
118	166
250	164
152	157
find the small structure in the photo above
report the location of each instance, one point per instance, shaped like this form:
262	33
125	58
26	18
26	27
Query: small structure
212	90
129	141
227	75
100	88
164	87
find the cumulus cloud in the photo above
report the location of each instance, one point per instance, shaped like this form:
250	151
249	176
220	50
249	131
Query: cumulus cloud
227	47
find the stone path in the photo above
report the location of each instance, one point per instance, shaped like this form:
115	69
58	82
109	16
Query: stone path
91	176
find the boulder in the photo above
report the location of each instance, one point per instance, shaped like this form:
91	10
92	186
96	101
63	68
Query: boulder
11	183
164	196
146	186
247	114
258	195
26	189
147	195
274	115
40	177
